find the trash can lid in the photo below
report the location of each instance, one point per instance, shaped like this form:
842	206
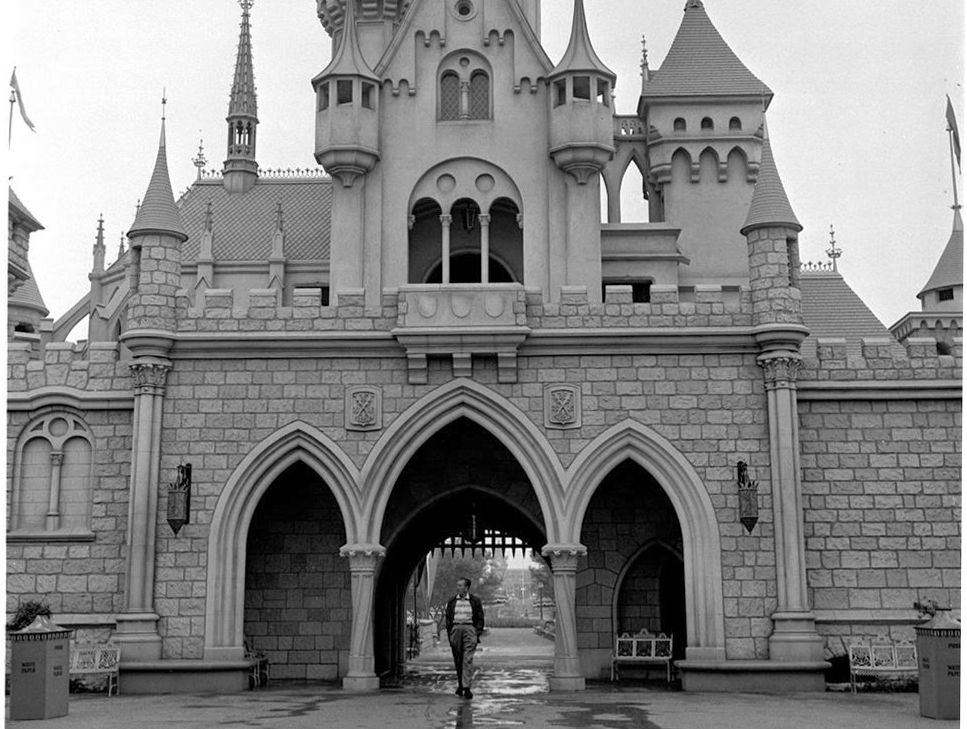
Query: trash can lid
940	624
43	628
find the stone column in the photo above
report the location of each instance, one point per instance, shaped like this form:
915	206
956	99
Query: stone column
53	504
363	559
563	559
794	636
445	221
137	626
484	219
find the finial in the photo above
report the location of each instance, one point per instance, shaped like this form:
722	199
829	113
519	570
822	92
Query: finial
121	246
137	206
200	160
246	5
833	251
694	4
644	57
164	102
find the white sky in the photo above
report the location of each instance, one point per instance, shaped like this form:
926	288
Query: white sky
857	123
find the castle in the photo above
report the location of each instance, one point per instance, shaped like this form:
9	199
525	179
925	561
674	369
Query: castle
437	339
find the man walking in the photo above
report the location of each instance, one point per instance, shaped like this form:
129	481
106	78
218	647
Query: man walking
465	624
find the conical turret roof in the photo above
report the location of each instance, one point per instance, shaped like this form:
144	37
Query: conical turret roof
949	271
770	204
700	63
243	101
580	55
28	295
348	59
158	213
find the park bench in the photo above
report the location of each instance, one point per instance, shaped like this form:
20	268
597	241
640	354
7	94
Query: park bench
258	667
881	656
642	648
96	659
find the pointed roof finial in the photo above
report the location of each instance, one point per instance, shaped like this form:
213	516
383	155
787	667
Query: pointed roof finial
580	55
770	204
158	214
834	252
100	229
199	160
121	246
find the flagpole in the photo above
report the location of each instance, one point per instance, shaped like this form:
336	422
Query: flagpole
13	100
953	173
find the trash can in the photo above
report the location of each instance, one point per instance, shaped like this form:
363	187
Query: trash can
938	646
40	670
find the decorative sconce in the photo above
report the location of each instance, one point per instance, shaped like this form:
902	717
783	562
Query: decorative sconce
748	497
179	499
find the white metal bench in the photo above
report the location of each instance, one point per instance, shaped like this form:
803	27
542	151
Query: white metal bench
96	659
881	656
642	648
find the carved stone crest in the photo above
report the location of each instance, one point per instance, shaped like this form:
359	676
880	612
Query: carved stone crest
562	406
364	409
149	377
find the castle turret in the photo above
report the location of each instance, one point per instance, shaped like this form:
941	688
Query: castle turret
771	230
703	110
378	22
582	126
155	239
240	170
347	146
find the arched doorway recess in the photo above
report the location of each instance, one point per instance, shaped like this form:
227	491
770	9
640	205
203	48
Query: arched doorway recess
461	484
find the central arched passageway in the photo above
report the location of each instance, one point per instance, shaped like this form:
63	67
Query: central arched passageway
461	487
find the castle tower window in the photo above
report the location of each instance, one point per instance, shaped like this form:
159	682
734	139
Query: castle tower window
323	96
449	96
344	92
707	124
680	125
945	295
604	94
479	95
735	123
560	92
582	87
369	91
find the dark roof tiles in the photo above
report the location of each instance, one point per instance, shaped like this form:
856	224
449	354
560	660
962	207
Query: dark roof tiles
949	271
831	309
243	223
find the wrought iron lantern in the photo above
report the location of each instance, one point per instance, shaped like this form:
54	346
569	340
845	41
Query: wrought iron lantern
179	499
748	497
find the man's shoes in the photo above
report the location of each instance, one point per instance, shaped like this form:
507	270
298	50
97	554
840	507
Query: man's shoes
467	693
459	691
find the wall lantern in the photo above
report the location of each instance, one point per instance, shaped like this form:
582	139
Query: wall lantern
748	497
179	499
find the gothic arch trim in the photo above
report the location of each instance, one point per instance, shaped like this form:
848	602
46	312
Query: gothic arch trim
461	398
701	546
225	595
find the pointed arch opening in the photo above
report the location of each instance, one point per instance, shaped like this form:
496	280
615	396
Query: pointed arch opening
668	470
296	450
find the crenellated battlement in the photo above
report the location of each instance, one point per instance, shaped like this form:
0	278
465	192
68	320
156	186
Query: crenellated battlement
91	367
834	359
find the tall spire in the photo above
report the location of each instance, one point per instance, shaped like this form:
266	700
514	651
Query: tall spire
99	247
580	55
157	213
240	170
770	204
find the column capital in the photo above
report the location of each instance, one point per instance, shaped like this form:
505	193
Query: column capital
446	220
362	557
563	556
56	458
483	219
150	376
780	369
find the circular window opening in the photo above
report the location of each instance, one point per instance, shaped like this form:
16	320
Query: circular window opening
464	9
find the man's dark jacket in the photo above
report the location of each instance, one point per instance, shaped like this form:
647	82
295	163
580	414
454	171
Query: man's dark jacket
475	607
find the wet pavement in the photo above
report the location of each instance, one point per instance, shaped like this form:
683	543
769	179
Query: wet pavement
510	690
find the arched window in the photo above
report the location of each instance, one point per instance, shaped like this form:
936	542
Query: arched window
53	475
479	95
707	124
679	125
449	96
735	123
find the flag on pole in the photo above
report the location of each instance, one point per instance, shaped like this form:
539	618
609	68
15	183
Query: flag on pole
20	102
952	128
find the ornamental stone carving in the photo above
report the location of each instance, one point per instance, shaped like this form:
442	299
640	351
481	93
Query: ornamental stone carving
562	406
780	370
150	377
364	408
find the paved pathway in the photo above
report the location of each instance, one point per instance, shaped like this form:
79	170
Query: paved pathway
509	692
